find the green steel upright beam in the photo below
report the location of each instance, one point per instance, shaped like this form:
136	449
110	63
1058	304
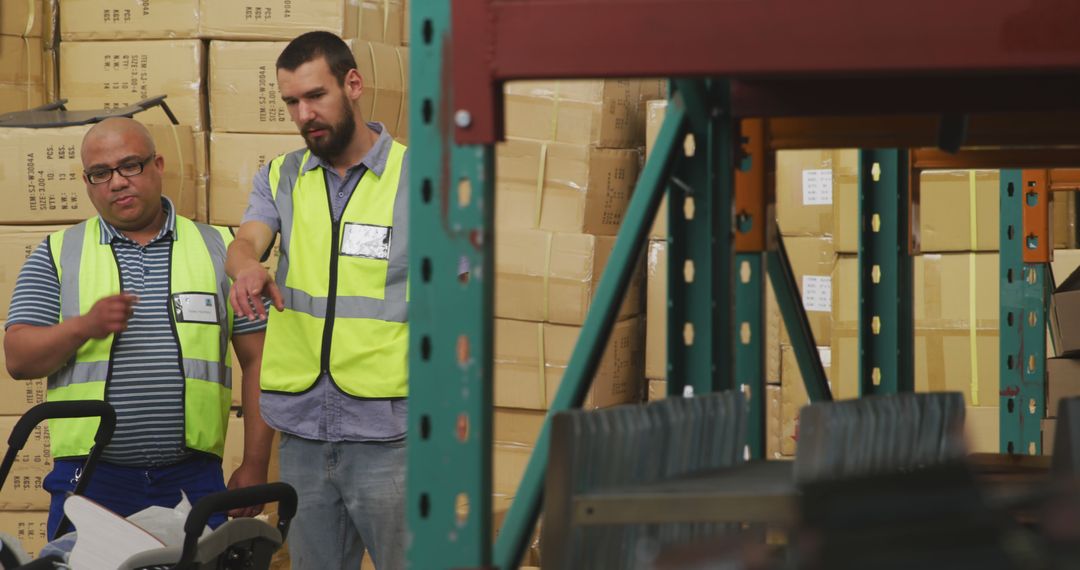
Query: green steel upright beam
451	197
886	316
700	336
1025	292
750	344
629	244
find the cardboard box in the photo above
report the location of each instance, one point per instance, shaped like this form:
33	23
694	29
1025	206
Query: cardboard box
656	305
128	19
793	395
16	244
956	325
813	262
959	210
531	358
807	181
43	172
234	161
518	427
508	467
656	300
552	277
22	490
108	75
1063	224
244	92
1049	430
1062	381
654	118
385	70
773	431
17	396
577	188
25	18
981	427
202	175
275	19
382	21
657	390
22	73
30	528
599	113
1064	310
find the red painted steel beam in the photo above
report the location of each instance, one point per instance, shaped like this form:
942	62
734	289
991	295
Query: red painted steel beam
501	40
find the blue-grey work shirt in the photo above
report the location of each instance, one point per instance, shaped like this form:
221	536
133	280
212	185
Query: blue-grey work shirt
324	413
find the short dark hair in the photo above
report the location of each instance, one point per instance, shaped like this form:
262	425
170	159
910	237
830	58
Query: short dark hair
306	47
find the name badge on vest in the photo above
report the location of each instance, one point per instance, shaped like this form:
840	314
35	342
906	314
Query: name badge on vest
195	308
365	240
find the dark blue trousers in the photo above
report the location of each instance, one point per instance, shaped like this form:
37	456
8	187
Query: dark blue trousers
127	490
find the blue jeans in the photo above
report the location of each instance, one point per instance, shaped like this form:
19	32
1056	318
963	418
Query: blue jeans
352	498
127	490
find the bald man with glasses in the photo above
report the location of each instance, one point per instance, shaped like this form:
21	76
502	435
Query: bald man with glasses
131	307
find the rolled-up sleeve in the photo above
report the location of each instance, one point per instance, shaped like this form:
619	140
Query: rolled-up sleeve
261	206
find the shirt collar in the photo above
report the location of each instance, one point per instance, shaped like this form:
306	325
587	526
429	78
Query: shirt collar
375	159
109	233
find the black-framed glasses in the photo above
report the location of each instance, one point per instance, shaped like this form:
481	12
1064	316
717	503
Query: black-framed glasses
127	170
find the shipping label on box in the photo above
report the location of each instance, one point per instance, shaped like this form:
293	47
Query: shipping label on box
563	188
531	358
128	19
111	75
244	92
552	277
808	183
23	489
234	161
602	113
275	19
42	169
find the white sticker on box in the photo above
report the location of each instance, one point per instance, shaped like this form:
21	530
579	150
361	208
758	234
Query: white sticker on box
817	187
817	293
825	352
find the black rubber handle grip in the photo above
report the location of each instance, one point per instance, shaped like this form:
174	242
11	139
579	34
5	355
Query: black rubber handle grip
65	409
281	493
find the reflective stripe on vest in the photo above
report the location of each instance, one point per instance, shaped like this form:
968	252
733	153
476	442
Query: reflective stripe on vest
359	335
87	272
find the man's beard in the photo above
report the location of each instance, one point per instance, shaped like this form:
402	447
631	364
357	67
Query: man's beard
337	137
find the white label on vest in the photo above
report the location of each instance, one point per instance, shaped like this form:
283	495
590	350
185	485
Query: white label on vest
363	240
195	308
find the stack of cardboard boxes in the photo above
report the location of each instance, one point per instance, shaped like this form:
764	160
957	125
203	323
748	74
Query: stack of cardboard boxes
27	57
564	179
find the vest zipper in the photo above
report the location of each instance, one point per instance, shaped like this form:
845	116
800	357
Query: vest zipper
179	350
331	293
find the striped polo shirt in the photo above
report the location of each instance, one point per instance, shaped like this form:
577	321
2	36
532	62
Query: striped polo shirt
147	385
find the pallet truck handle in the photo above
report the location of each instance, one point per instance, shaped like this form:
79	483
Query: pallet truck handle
56	410
279	492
